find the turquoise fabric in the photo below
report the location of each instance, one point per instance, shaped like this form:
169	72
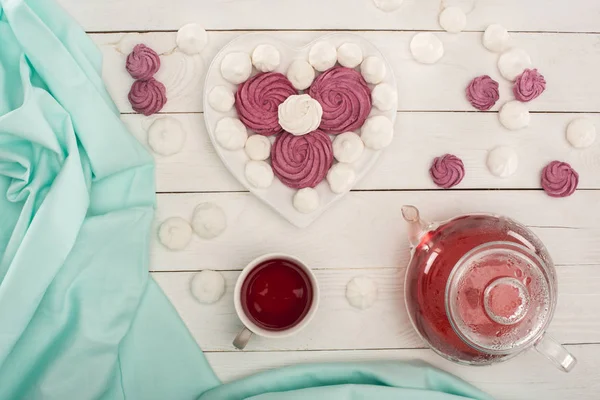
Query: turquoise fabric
80	318
348	381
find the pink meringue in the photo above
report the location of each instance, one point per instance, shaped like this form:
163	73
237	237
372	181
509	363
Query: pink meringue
529	85
559	179
482	92
257	101
147	97
447	171
302	161
345	98
142	62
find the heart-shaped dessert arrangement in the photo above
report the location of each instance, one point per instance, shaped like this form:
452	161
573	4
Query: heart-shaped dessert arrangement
300	126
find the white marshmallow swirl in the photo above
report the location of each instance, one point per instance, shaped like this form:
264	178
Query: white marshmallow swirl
347	147
306	200
266	57
300	114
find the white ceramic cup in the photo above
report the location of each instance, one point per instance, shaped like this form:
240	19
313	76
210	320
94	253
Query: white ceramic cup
250	327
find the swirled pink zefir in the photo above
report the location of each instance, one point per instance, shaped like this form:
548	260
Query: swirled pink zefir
142	63
559	179
345	98
447	171
302	161
529	85
147	97
482	92
257	101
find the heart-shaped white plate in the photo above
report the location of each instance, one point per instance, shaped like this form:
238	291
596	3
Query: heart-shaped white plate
279	196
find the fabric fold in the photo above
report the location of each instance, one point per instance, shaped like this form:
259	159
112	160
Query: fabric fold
349	381
79	316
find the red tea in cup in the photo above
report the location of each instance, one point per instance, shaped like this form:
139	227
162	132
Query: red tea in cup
277	294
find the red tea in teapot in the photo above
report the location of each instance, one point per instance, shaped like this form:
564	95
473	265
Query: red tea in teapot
475	287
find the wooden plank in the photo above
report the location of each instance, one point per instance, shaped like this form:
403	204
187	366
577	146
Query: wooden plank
566	60
420	137
338	326
365	229
529	377
340	241
117	15
196	168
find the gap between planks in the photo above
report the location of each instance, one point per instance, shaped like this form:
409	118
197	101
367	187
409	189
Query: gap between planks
402	112
363	350
335	30
192	271
390	190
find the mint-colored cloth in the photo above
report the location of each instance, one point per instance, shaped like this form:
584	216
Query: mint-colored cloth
80	318
348	381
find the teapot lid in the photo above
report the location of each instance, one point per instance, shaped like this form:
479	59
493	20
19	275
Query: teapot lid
499	298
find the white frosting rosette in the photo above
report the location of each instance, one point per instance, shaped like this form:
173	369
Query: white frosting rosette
300	114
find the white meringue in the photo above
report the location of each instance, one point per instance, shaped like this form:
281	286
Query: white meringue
236	67
388	5
361	292
306	200
347	147
514	115
207	286
175	233
231	134
341	177
166	136
426	48
384	97
581	133
502	161
259	174
191	39
377	132
513	62
322	55
300	114
453	19
301	74
266	57
209	220
496	38
258	147
373	69
349	55
220	98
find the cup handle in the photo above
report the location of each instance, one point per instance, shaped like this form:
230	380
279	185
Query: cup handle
241	340
556	353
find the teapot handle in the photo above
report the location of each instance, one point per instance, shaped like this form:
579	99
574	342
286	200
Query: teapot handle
556	353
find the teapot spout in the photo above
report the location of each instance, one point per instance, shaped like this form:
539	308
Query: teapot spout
416	226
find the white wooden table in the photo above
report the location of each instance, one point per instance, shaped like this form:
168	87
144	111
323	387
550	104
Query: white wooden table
363	234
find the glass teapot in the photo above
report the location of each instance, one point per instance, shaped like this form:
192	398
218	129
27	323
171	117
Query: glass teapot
481	289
